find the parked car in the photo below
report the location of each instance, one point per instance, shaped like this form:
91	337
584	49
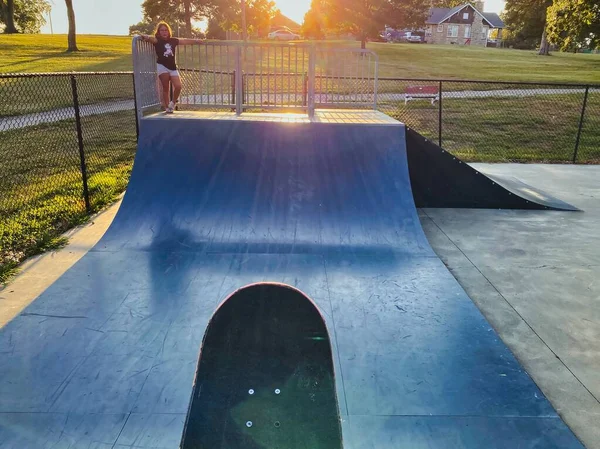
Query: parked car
284	35
414	39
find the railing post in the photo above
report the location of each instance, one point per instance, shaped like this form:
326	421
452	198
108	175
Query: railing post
581	120
440	117
86	194
233	78
312	56
238	80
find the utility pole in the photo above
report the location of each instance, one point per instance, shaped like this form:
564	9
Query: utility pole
244	29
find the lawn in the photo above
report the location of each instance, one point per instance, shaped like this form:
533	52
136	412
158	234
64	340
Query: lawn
44	53
41	185
508	129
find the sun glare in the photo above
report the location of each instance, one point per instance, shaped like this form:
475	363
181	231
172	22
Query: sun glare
294	9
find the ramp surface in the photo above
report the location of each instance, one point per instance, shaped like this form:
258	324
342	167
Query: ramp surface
106	357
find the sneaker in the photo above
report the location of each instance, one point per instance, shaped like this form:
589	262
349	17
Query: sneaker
170	108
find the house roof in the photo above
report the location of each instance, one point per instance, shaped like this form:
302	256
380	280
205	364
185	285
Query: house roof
280	21
439	15
494	19
436	15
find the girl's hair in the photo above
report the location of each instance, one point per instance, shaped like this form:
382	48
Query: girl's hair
157	30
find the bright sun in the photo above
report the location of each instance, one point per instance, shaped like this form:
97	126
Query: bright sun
294	9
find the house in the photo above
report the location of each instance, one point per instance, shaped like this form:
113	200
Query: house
463	25
281	21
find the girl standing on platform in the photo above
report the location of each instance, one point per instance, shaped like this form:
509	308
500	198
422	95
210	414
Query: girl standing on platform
166	66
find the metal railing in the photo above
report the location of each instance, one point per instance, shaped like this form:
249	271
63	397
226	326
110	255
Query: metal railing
261	76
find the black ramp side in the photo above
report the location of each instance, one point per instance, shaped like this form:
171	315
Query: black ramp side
439	179
107	355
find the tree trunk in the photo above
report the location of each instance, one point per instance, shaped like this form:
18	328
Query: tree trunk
10	18
72	32
188	18
545	45
244	28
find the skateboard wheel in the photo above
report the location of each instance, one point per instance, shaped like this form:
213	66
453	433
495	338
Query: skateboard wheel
250	391
248	424
277	391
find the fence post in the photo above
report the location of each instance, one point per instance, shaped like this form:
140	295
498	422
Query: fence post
441	94
135	106
86	193
581	120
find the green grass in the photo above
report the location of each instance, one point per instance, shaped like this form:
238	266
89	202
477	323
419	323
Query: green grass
46	53
539	129
31	53
41	187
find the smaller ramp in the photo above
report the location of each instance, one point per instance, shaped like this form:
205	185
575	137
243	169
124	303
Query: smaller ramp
439	179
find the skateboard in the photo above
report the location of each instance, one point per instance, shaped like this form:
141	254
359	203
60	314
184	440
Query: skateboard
265	377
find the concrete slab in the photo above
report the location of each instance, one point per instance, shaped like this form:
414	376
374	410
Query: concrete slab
39	272
534	277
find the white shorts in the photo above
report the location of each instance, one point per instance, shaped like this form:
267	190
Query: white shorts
161	70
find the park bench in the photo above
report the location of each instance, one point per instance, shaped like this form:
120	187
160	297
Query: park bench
422	92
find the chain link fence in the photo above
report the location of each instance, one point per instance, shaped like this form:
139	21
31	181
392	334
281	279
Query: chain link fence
67	143
500	122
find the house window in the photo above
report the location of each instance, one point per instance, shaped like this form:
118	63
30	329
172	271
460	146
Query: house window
441	28
465	15
452	30
484	33
468	32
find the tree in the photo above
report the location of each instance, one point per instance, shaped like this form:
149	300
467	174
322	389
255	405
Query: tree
72	39
448	3
214	30
10	17
180	14
526	23
573	24
259	14
366	18
143	27
24	16
314	24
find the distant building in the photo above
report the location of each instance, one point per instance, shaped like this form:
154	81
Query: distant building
277	22
463	25
281	21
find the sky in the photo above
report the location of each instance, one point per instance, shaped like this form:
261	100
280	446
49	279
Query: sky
115	16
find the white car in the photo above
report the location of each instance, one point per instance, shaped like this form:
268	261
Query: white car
284	35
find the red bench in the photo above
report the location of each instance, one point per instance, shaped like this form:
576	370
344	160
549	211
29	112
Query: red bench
422	92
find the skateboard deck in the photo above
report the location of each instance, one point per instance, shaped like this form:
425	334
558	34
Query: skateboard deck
265	377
